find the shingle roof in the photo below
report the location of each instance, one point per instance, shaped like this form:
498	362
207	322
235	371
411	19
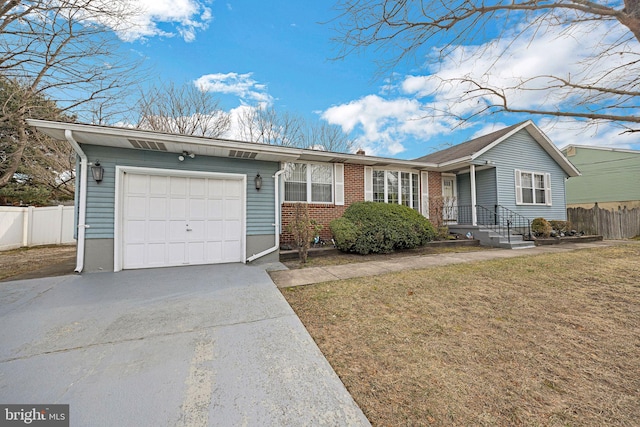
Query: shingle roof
468	148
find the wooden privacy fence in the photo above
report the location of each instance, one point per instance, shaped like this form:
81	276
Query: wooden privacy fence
610	224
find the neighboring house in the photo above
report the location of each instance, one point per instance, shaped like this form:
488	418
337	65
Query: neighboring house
169	200
608	176
502	180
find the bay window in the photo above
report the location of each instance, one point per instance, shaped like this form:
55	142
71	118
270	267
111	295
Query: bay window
396	187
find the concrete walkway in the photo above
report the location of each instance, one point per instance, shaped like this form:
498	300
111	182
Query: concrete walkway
307	276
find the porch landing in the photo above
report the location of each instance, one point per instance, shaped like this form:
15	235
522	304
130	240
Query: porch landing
490	238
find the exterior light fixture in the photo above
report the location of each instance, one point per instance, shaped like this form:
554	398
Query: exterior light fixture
97	171
258	181
186	154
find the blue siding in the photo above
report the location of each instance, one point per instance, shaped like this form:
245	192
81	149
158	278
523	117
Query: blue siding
101	197
463	184
486	192
523	152
463	188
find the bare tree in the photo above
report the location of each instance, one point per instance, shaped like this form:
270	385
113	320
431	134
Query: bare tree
186	110
324	136
605	88
61	49
266	125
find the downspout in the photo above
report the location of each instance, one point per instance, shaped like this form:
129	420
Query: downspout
82	202
277	224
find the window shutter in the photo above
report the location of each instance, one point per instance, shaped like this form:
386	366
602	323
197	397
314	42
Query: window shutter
338	174
518	179
424	184
368	184
547	188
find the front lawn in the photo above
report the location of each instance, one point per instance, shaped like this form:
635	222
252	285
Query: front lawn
543	340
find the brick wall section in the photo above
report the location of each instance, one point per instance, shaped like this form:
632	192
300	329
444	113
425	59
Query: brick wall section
435	190
353	192
325	213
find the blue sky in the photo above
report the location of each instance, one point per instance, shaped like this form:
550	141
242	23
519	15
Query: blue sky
279	53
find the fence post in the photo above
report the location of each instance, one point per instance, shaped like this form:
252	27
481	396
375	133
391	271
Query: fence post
60	224
27	225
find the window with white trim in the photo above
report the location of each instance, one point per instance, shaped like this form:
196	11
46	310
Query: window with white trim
308	182
533	188
396	187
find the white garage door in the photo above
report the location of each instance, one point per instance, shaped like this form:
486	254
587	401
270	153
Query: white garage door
179	220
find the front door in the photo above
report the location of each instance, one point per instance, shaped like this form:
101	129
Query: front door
449	199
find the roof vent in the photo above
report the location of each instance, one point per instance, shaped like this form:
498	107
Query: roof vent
242	154
148	145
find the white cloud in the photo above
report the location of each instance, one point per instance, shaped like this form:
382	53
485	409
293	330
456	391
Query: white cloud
519	67
241	85
423	106
573	132
234	131
383	125
185	16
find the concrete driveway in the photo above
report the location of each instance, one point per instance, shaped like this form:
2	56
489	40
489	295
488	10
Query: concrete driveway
206	345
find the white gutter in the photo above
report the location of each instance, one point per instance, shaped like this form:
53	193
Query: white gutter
277	224
82	214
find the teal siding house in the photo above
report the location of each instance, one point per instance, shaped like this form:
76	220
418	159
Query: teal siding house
147	199
608	176
497	183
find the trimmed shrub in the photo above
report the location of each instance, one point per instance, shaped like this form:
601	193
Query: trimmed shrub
345	233
541	227
369	227
560	226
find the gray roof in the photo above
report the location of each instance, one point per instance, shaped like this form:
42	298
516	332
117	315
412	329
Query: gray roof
468	148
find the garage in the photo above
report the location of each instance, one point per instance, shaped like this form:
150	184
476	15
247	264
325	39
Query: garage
172	218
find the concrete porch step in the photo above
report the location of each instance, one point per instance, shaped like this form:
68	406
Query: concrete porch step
488	237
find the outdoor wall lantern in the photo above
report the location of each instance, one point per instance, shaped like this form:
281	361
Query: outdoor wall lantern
258	181
97	171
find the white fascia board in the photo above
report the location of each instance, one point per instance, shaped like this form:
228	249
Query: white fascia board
454	164
553	151
179	142
499	140
544	142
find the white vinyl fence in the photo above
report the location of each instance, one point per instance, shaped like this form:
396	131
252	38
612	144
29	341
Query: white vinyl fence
35	226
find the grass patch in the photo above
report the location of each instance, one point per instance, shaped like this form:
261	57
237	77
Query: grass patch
551	339
351	258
